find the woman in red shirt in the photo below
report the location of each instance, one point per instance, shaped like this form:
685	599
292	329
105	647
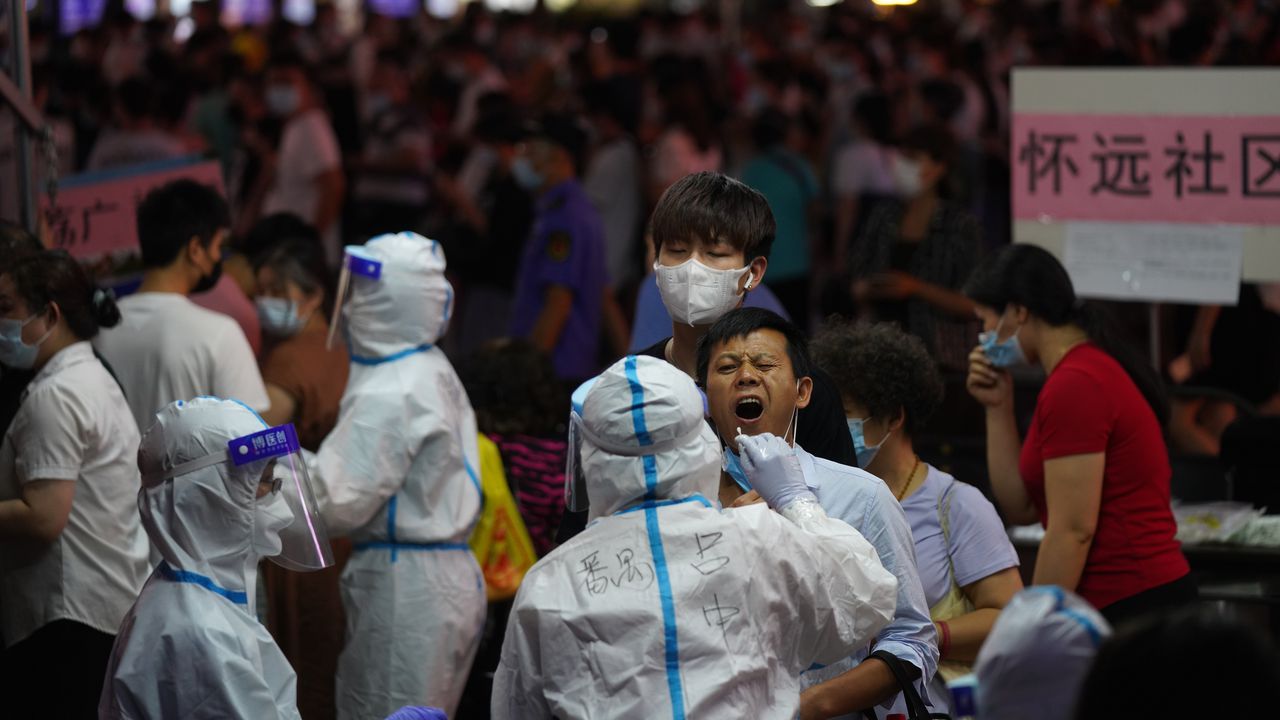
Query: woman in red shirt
1093	469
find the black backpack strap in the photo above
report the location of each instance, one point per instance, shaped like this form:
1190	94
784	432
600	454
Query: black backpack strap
916	709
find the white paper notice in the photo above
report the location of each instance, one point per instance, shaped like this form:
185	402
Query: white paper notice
1156	262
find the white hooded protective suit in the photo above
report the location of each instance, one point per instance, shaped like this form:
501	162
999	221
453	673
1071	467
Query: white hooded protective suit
666	606
1037	656
192	646
399	475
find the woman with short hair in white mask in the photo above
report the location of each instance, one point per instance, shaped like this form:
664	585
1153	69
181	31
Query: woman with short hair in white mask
72	554
914	253
304	379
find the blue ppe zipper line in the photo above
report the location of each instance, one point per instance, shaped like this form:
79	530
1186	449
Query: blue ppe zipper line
655	545
391	526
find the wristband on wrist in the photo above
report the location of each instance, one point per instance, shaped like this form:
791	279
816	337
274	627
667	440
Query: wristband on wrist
944	643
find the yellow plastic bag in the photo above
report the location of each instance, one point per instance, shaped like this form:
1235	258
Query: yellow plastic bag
500	540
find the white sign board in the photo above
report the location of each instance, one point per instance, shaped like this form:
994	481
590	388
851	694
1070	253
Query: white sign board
1162	175
1155	262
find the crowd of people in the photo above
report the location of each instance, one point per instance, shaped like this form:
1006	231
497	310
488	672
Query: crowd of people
598	248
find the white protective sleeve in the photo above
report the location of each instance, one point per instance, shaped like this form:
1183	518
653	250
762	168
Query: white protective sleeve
362	463
853	595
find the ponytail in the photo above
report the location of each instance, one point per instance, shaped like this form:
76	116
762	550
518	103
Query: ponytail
54	277
1101	327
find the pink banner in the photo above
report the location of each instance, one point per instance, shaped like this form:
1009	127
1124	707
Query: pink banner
1187	169
95	216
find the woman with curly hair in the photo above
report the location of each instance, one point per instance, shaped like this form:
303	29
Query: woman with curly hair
890	387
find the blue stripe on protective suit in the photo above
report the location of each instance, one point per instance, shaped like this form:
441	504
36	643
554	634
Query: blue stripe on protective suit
655	544
665	503
1060	600
391	525
238	597
364	360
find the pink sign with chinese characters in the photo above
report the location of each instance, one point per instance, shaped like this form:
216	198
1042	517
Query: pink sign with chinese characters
1154	168
95	215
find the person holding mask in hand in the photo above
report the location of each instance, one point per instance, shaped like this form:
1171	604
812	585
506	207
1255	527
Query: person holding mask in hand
1093	468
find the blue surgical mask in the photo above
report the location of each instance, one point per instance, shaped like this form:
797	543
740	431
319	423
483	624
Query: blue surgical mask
13	351
734	467
1004	353
279	316
866	455
524	174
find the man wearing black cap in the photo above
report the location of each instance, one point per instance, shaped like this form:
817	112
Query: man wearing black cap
562	291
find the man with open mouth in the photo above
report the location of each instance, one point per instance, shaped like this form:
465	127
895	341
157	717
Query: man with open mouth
755	369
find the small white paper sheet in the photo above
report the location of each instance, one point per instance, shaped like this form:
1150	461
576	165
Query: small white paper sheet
1198	264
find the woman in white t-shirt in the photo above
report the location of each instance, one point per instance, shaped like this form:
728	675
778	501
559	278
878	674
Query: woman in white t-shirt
72	552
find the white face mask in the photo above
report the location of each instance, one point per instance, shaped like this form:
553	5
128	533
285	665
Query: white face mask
906	177
699	295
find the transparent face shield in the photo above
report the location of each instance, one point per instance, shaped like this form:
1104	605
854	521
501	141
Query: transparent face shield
575	483
355	261
288	528
286	502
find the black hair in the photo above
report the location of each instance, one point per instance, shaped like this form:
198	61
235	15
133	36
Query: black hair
513	388
883	369
16	243
135	97
934	141
564	131
708	207
275	228
744	321
299	260
944	98
769	129
1032	277
873	111
610	99
53	276
175	212
1232	670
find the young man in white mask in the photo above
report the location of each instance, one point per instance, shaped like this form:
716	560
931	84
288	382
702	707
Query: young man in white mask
711	237
758	377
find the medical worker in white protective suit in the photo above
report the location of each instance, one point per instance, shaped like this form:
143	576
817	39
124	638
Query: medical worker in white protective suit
220	491
399	475
668	607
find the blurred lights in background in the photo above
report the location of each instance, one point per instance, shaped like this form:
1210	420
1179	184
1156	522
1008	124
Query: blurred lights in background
894	2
